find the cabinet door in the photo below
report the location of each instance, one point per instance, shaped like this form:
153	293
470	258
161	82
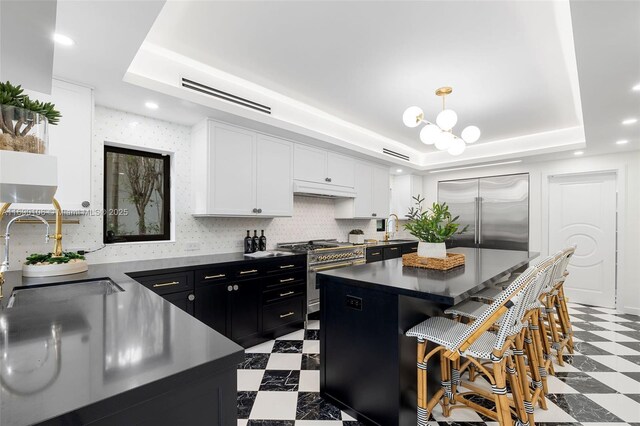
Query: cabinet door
380	196
363	203
232	176
210	305
274	173
310	164
341	170
245	310
181	300
70	142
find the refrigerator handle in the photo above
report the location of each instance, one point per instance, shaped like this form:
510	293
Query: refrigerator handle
479	220
475	221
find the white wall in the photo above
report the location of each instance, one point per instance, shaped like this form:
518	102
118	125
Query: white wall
312	217
627	167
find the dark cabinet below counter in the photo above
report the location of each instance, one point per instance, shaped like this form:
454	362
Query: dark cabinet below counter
249	301
385	252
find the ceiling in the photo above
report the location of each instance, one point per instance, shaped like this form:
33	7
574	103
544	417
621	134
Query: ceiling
340	74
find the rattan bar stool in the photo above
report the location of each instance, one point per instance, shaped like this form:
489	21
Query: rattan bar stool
477	345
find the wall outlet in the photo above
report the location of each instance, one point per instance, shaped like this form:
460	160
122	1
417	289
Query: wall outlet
192	246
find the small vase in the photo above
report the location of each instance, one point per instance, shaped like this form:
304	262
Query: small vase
23	130
435	250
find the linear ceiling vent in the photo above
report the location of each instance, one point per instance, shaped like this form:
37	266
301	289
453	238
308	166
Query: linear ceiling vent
199	87
395	154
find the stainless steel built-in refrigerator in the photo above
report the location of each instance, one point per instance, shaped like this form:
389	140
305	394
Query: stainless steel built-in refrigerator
496	209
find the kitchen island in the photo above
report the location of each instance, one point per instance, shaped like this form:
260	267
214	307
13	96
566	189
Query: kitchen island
124	357
367	365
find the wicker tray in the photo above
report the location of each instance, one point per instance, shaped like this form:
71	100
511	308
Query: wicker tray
452	260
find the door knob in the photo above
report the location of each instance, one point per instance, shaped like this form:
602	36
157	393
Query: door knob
259	210
235	287
191	298
230	288
255	210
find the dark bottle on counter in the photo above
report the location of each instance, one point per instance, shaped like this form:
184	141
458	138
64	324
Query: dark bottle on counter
255	241
247	243
262	241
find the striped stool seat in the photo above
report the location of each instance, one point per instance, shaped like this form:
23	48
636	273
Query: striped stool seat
439	330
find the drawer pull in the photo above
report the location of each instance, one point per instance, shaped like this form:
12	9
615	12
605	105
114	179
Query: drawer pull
286	280
286	266
288	314
375	254
393	248
287	293
210	277
166	284
251	271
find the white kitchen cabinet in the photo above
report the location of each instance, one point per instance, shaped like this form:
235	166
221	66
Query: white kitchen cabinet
404	188
239	172
70	142
372	194
321	166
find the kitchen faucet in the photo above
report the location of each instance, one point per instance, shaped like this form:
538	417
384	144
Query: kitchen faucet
392	221
4	267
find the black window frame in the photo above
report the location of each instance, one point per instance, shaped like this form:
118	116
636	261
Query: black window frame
166	208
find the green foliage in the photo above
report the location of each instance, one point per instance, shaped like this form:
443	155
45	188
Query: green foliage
356	232
434	225
50	258
13	96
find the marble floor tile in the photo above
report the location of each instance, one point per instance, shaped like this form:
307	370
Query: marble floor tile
280	380
287	346
249	380
622	406
274	406
296	335
618	381
581	408
312	407
584	383
254	360
279	361
310	381
311	361
615	363
311	347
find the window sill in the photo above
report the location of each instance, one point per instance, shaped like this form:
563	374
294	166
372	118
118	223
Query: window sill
131	243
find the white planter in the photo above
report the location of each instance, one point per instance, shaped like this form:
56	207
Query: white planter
73	267
356	238
435	250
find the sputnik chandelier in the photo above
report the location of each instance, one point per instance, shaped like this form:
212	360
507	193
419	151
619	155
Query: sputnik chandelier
440	134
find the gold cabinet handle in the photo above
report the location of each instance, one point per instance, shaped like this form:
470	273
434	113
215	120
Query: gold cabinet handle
286	266
287	293
334	266
248	272
166	284
288	314
286	280
393	248
375	254
210	277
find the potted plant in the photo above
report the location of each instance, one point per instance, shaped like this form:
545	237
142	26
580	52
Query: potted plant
23	121
432	227
356	236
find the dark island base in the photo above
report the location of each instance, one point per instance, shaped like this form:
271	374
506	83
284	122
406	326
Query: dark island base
367	365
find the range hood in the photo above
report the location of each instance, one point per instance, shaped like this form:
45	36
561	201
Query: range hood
322	190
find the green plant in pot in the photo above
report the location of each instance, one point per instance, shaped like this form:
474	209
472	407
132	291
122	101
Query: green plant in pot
433	227
23	121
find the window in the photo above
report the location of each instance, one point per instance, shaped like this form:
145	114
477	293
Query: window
136	195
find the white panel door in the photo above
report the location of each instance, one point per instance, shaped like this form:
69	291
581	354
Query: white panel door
341	170
274	173
582	211
363	203
381	192
233	178
310	164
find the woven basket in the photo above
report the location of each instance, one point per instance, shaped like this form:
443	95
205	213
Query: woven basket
452	260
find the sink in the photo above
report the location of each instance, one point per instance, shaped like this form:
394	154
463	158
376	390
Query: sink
48	293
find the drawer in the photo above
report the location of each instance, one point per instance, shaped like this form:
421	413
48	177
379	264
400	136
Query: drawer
287	264
247	271
168	283
279	294
392	252
281	313
374	255
212	275
285	279
410	248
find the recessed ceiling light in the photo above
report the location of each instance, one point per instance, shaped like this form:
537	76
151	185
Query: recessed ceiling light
622	142
636	88
151	105
398	170
628	121
63	39
578	153
133	124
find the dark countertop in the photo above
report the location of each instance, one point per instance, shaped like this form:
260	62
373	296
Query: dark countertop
482	267
106	345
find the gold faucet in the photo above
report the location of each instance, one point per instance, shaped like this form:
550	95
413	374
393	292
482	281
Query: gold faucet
386	233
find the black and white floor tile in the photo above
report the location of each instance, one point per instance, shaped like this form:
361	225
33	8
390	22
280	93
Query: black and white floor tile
599	385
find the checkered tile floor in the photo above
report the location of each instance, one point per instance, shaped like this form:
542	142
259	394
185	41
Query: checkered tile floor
279	381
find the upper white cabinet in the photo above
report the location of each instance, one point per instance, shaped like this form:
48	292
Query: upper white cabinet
238	172
372	194
321	166
403	190
70	142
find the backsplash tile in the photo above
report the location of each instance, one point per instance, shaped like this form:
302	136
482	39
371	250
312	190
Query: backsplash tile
312	217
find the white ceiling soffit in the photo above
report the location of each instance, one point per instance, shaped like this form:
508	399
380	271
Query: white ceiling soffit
512	66
26	42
